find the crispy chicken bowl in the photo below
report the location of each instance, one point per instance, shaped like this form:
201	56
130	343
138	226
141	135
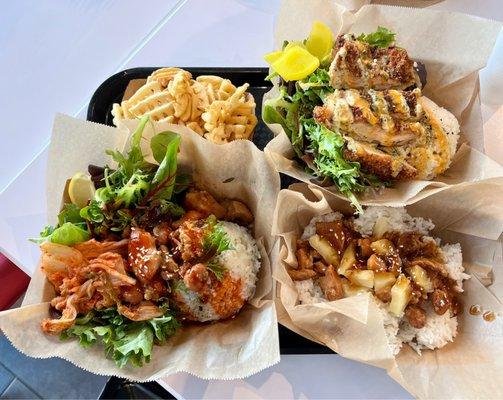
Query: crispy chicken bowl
354	113
156	264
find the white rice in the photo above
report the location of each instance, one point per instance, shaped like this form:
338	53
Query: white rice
242	261
454	263
439	329
309	292
201	311
398	220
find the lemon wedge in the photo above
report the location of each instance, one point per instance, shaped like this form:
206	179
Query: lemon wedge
271	57
320	40
295	64
81	189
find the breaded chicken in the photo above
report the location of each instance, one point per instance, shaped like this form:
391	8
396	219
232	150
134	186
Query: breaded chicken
358	65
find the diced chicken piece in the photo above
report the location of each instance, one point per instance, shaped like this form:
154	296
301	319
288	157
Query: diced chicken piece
301	274
335	232
320	267
431	265
131	294
144	258
416	316
440	301
203	202
197	277
190	215
238	212
304	257
364	249
331	284
162	232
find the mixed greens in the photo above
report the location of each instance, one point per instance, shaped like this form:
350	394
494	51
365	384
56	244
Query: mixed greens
135	191
125	341
321	149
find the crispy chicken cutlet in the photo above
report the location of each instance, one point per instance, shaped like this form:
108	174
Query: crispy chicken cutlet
357	65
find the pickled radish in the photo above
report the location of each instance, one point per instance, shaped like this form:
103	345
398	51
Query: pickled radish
271	57
320	40
295	64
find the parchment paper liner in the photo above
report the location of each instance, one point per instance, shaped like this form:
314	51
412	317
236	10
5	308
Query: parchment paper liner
453	46
470	367
230	349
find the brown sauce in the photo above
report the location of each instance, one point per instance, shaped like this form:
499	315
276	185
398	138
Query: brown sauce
475	309
489	316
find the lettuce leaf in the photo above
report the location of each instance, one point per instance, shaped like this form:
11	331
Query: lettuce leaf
125	341
159	144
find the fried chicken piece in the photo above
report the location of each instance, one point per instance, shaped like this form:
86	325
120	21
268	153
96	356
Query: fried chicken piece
383	118
331	284
238	212
301	274
143	256
140	312
203	202
416	316
131	294
197	277
162	232
304	255
357	64
377	162
190	215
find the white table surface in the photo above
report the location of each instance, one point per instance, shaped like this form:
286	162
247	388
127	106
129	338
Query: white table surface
56	53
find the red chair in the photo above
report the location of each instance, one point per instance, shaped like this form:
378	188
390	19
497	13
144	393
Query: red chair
13	283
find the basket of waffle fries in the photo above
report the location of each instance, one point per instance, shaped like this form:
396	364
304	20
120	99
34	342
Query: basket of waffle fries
209	105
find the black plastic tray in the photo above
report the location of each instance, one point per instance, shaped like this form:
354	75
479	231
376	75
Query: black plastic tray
112	90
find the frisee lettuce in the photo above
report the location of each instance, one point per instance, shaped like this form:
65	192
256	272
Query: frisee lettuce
125	341
382	37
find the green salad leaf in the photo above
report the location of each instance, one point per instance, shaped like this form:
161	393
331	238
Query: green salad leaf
321	148
217	269
382	37
70	229
125	341
159	144
215	237
163	182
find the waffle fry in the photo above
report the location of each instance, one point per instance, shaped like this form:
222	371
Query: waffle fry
231	119
209	105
